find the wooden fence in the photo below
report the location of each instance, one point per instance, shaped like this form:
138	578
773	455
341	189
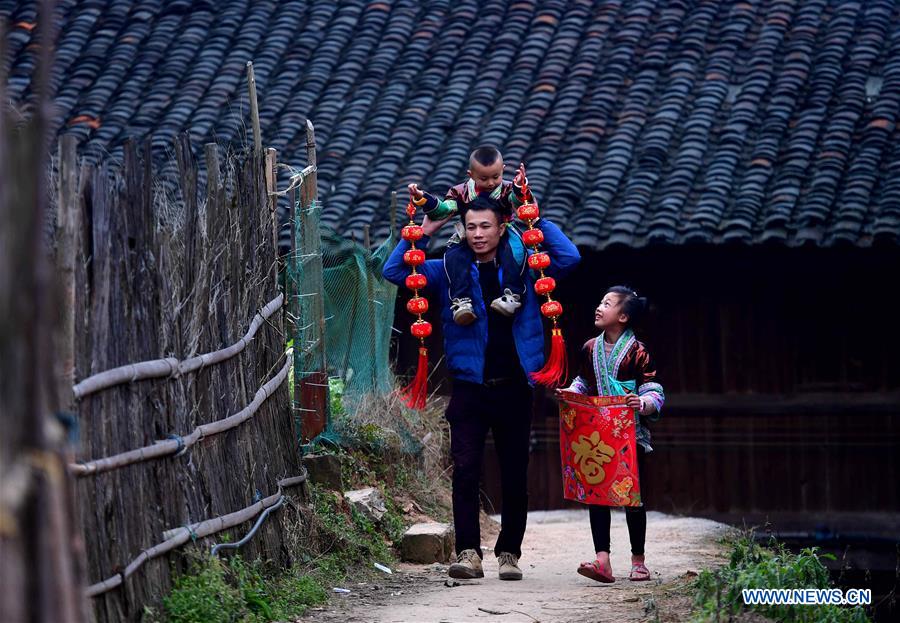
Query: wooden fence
40	574
183	411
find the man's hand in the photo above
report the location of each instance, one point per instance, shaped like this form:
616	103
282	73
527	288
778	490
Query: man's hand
429	226
414	191
633	401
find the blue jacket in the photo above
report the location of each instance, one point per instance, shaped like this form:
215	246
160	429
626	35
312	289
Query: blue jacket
464	346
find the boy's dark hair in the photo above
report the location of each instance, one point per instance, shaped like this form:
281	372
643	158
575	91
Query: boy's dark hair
633	306
483	201
486	155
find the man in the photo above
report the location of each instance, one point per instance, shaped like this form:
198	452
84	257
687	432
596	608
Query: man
490	362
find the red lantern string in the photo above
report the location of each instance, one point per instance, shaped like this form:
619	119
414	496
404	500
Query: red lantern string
416	392
555	368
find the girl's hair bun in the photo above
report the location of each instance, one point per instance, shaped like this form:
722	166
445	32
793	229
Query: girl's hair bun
633	305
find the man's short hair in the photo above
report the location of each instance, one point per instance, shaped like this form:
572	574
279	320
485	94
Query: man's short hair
483	201
486	155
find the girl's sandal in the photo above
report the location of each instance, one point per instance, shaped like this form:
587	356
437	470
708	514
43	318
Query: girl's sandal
594	571
639	573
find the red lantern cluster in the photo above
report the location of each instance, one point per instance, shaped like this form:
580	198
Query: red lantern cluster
416	391
555	368
539	260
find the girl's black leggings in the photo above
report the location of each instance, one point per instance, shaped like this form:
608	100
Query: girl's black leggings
635	517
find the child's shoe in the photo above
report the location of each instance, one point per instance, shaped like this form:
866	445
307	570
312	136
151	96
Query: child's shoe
639	571
597	571
507	304
463	314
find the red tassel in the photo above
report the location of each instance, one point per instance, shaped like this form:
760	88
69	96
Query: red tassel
555	370
415	393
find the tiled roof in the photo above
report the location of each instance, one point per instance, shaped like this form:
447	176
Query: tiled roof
640	121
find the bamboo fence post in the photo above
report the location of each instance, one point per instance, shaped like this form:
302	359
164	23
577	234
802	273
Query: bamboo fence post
313	387
68	223
38	571
271	189
292	310
370	305
213	214
254	109
68	253
393	214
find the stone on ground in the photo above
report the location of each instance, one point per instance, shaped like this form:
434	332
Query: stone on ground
368	502
427	543
324	470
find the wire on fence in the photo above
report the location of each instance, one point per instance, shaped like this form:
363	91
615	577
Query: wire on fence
195	531
177	444
216	548
172	367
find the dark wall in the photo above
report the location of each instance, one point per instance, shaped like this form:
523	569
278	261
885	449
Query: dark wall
761	320
781	374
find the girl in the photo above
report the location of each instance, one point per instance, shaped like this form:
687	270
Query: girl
616	364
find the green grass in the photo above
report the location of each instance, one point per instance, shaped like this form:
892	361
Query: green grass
220	591
718	593
335	539
232	590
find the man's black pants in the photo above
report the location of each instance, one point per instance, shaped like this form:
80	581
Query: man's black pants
505	409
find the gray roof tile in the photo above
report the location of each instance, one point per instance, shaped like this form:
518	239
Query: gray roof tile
641	122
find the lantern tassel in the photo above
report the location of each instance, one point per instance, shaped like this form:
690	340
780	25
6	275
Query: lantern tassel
416	392
555	370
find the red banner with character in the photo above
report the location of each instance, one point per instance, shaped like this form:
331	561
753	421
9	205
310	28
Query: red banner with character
597	445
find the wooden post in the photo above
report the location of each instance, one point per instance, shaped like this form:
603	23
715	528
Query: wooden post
310	144
254	109
293	311
313	387
211	154
271	189
67	228
393	214
370	306
38	572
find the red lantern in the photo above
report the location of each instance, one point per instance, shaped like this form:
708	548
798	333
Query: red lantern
533	237
528	211
412	233
414	257
417	305
551	309
545	285
416	282
538	261
421	328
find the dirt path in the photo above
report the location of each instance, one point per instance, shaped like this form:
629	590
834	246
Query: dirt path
551	591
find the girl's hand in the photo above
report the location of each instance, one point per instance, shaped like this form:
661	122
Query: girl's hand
429	226
414	191
633	401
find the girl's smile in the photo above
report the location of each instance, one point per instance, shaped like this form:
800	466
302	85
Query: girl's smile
608	310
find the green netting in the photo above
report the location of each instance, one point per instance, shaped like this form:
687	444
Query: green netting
359	314
341	318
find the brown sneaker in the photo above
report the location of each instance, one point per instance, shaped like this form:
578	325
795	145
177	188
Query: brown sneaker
467	566
509	566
